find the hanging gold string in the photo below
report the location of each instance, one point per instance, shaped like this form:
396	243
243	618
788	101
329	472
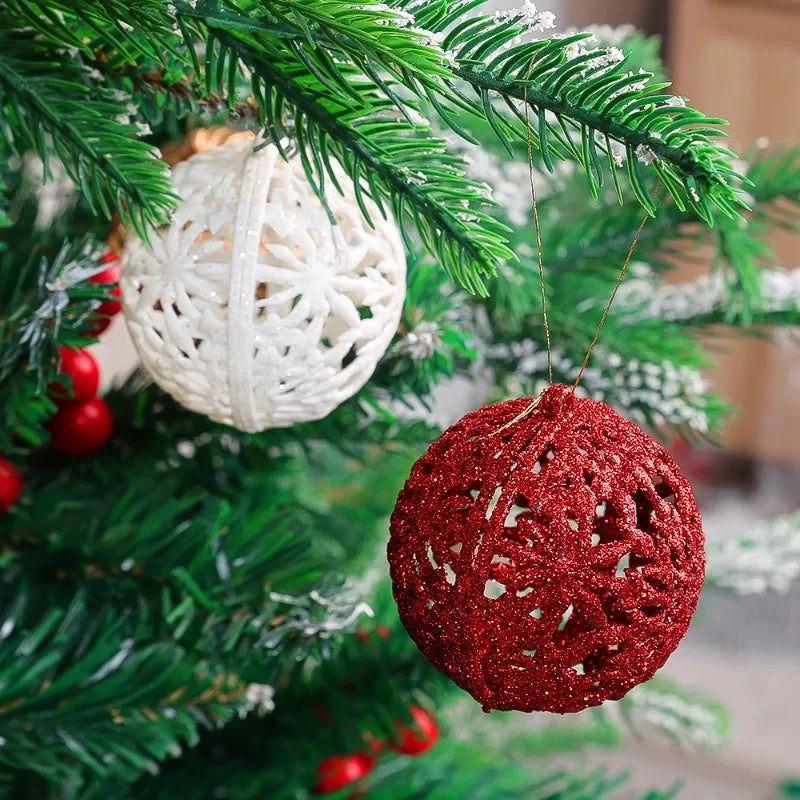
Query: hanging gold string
540	261
539	254
537	226
620	278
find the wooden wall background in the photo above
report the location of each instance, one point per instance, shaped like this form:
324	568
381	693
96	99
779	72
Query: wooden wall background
738	59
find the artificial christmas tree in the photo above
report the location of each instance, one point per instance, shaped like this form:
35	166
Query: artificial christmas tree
187	611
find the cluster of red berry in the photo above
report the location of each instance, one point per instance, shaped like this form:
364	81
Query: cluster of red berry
82	425
336	772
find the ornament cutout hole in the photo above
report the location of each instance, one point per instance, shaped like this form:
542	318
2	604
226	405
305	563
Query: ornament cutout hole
457	547
529	653
606	527
544	459
449	574
493	589
536	613
600	510
565	617
521	506
665	491
431	557
350	356
644	512
622	565
569	629
524	592
493	502
261	297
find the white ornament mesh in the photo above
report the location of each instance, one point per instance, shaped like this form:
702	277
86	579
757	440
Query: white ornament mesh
250	306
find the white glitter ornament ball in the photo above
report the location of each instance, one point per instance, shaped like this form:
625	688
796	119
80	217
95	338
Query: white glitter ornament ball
250	306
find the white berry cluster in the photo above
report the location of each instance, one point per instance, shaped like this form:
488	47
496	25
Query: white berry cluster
659	709
645	392
644	297
767	559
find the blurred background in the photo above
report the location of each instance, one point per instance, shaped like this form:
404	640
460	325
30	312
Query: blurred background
738	59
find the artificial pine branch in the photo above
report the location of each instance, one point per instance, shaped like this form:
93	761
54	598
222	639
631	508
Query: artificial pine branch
706	301
584	248
198	560
118	29
122	705
588	93
396	157
585	92
44	94
45	303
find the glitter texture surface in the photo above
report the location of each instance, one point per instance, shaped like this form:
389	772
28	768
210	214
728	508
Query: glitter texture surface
549	560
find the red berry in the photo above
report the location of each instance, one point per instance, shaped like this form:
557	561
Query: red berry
364	635
82	368
83	429
339	771
417	740
375	745
10	485
108	308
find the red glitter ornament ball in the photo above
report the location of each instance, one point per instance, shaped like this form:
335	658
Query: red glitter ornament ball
546	556
85	374
83	429
339	771
419	739
10	485
108	308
